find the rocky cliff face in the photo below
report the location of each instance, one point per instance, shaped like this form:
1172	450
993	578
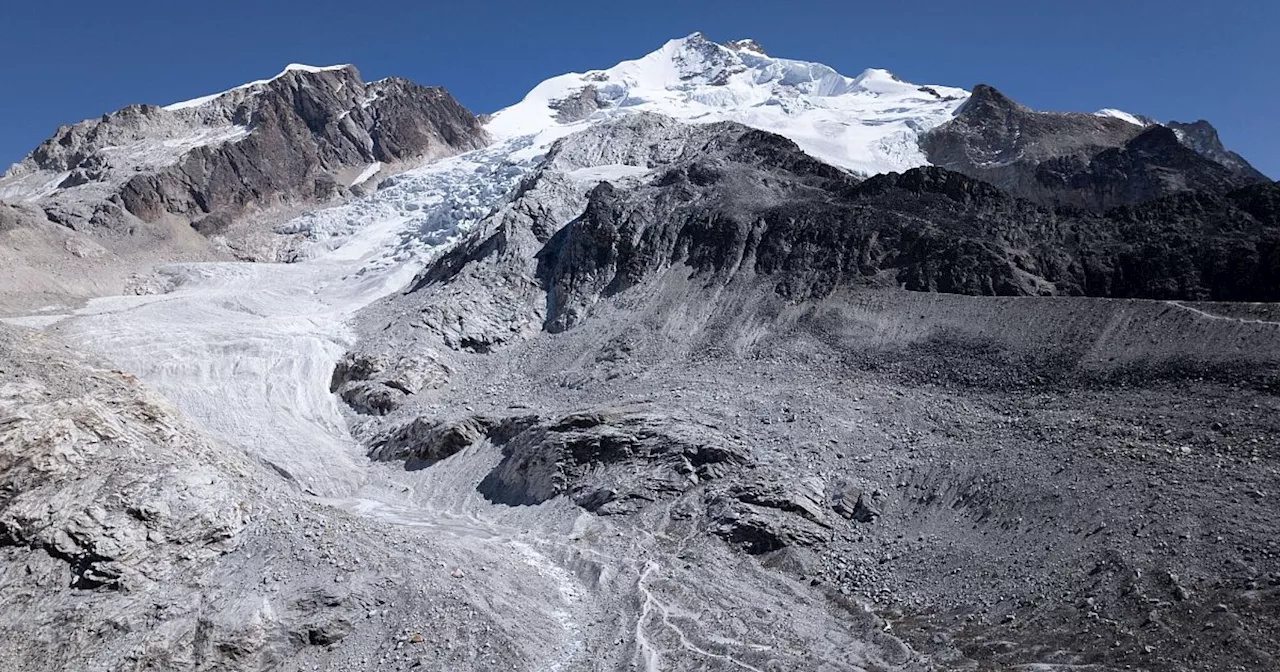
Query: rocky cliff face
1203	138
752	205
1094	161
1153	164
308	135
616	208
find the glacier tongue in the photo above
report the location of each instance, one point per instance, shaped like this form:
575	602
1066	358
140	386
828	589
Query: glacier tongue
868	124
246	350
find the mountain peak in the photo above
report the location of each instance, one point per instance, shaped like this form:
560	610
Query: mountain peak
1203	138
747	45
986	99
866	123
291	68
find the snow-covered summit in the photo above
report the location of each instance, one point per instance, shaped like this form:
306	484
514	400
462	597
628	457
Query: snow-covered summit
869	123
292	67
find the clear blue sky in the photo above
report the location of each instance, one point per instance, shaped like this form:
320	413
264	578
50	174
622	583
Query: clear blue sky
1176	59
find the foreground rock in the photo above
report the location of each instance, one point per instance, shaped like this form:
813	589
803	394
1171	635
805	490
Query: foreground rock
128	541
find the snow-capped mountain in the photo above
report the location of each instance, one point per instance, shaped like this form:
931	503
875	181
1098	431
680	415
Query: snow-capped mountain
227	173
869	123
625	378
308	134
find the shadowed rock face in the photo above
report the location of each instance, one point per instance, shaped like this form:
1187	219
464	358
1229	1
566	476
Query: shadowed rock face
1151	165
1202	137
754	205
301	137
1086	160
609	461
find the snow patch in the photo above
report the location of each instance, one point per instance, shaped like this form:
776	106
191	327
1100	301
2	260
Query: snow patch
608	173
368	173
30	187
1121	115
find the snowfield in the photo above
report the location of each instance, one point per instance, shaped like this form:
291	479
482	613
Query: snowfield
869	123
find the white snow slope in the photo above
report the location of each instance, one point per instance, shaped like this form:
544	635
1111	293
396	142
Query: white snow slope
869	123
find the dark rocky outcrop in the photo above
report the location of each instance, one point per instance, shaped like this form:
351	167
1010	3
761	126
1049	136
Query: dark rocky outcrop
755	206
768	514
610	460
1151	165
579	106
1086	160
377	385
423	442
1203	138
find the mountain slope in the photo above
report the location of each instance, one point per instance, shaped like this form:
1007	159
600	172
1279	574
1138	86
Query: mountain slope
308	135
619	391
734	204
1095	161
714	353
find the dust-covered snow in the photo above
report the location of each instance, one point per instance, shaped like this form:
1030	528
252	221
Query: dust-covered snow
246	350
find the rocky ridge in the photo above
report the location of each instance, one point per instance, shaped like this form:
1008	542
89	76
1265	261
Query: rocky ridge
1093	161
210	178
303	136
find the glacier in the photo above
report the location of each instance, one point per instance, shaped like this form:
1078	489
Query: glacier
246	349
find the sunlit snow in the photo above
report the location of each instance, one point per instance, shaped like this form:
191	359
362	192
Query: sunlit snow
1121	115
869	123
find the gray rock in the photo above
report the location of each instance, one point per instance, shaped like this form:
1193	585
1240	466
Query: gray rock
766	515
609	460
857	503
1085	160
579	106
296	139
423	442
